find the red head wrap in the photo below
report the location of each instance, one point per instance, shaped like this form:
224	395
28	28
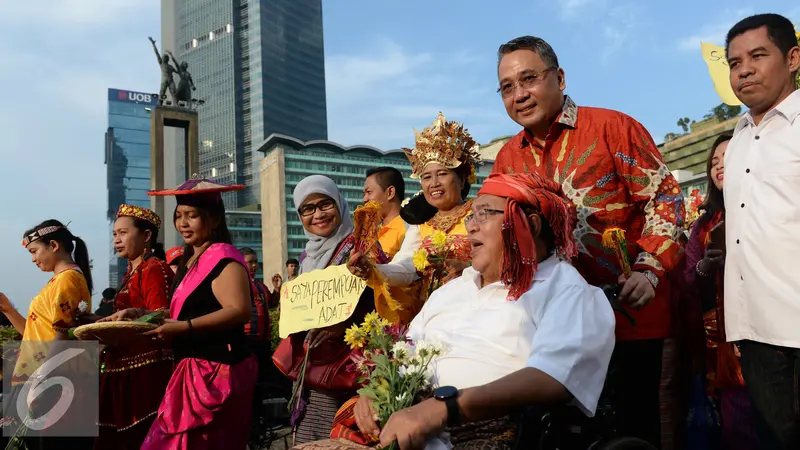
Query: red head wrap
519	251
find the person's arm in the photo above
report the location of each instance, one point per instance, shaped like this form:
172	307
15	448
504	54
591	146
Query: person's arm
400	271
232	290
652	186
16	319
155	49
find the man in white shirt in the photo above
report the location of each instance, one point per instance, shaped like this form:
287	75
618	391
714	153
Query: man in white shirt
762	200
520	327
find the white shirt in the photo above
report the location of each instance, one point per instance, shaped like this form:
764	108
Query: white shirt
400	271
762	228
561	326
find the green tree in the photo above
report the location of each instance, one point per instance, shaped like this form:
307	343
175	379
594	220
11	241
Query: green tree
724	112
684	124
671	137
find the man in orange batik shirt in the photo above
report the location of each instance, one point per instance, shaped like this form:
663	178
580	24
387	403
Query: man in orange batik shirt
610	168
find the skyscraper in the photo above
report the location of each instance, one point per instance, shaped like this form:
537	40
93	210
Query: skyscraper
127	158
259	65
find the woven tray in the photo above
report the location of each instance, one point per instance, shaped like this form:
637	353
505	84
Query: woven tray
115	333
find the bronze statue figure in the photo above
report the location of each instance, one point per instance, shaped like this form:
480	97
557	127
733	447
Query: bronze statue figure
186	84
166	75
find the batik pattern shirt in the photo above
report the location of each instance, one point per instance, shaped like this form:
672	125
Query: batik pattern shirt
610	168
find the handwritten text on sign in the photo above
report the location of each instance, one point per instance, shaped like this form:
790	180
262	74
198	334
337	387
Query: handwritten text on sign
319	299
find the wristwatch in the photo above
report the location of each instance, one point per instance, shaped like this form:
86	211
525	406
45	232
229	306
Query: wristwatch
449	395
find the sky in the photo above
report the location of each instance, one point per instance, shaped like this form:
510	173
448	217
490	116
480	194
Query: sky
390	67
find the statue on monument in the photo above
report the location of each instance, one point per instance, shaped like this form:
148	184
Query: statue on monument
186	84
166	75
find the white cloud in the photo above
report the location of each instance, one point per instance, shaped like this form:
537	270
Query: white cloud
380	94
714	32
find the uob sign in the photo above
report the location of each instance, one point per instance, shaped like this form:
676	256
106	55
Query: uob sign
139	97
116	95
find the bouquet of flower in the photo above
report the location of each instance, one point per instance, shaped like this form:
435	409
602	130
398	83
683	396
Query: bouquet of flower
397	372
431	259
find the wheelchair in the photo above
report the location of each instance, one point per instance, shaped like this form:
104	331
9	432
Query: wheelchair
567	428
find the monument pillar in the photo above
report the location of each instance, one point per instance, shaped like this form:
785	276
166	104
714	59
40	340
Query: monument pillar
274	233
174	158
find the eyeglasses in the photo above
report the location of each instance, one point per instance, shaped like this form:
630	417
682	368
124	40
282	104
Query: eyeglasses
528	81
311	208
481	216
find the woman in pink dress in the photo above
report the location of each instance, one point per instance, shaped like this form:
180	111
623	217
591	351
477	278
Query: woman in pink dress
208	403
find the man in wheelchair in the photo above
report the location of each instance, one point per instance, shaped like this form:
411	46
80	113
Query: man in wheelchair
521	327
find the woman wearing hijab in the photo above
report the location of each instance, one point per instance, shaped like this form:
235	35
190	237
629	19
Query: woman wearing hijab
328	226
208	401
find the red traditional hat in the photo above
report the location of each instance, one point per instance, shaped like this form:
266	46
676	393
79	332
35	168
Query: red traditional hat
174	253
198	186
138	212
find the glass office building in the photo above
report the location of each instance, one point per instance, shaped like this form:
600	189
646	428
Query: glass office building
245	228
259	66
127	158
288	160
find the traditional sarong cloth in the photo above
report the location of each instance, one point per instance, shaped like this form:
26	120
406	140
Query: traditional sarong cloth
208	404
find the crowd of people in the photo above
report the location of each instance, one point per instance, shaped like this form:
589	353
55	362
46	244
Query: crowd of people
574	261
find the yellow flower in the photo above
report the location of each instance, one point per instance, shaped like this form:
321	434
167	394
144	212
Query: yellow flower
439	239
420	260
355	337
374	322
382	388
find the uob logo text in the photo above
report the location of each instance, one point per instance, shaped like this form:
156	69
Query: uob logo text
138	97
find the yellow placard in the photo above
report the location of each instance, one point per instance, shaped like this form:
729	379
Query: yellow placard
319	299
714	56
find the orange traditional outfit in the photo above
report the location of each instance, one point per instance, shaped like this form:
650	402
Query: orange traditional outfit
133	379
402	286
398	296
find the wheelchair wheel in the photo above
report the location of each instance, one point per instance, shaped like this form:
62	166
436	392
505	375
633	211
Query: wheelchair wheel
622	443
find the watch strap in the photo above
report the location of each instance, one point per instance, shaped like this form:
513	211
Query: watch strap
453	412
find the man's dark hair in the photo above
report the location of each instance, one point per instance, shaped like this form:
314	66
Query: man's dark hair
389	176
109	293
248	251
532	43
779	29
293	261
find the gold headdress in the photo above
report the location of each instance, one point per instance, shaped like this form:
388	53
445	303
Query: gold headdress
138	212
445	143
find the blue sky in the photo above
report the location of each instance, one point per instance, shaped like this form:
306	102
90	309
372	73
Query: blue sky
390	67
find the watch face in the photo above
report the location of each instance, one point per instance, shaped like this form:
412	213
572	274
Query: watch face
445	392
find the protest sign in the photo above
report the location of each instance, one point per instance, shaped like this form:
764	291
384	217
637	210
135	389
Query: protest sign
319	299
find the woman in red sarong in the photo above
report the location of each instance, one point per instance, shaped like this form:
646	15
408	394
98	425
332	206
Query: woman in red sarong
133	379
208	401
